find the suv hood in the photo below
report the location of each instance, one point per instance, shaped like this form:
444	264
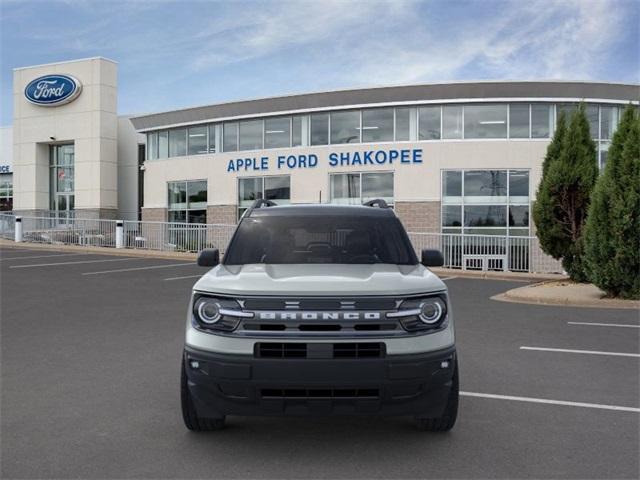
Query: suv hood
319	279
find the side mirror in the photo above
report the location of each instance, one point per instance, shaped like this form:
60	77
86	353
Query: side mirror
209	257
432	258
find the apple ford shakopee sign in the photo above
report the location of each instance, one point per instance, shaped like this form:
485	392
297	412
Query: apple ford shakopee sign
53	90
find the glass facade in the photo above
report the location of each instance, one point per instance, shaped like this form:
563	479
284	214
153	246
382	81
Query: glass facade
276	188
357	188
403	124
519	120
61	179
197	140
178	142
384	124
452	121
429	123
485	121
377	125
345	127
251	135
319	129
486	202
6	192
187	201
277	132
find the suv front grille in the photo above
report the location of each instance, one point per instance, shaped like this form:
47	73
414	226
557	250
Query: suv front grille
320	304
311	393
319	350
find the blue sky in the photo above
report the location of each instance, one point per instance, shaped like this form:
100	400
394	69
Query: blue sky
174	54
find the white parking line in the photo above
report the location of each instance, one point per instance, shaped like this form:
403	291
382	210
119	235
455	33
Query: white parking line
551	402
139	268
74	263
589	352
605	324
41	256
182	278
447	278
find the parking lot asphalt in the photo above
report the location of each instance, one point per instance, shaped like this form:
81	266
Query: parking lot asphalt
90	358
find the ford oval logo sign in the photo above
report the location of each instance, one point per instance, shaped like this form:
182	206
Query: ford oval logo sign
53	90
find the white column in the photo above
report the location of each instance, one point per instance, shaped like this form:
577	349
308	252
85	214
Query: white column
18	230
119	234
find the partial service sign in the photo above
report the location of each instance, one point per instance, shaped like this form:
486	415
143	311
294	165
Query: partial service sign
53	90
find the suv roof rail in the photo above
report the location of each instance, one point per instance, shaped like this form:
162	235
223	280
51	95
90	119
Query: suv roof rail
259	203
376	202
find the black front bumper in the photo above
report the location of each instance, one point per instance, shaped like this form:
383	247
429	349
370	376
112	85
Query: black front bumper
416	384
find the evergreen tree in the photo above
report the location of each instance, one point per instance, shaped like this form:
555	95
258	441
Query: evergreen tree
563	197
612	233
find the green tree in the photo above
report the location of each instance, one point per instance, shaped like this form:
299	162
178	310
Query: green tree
560	210
612	233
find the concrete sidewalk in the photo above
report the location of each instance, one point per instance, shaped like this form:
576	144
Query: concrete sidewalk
566	293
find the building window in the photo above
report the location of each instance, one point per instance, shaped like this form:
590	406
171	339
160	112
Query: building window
452	185
197	140
230	137
61	179
487	202
403	124
357	188
212	138
345	127
188	201
163	144
485	121
519	120
152	146
452	121
320	129
608	122
429	123
251	135
592	112
250	189
541	120
296	131
277	132
377	125
485	186
6	192
178	142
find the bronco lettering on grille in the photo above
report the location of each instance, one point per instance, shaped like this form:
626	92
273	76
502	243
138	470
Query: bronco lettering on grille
319	315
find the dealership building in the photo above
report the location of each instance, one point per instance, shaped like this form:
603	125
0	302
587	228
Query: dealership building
460	157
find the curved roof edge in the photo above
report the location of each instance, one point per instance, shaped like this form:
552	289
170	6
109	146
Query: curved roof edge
392	94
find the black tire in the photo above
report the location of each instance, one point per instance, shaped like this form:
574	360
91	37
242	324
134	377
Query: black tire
448	418
191	419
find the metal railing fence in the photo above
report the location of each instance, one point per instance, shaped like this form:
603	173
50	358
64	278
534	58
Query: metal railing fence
467	252
488	252
7	226
69	231
180	237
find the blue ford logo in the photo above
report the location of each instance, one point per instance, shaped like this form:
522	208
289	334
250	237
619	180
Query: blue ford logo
53	90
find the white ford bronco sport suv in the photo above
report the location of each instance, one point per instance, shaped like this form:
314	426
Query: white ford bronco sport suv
319	310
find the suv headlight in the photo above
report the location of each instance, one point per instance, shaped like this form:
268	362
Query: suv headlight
426	313
214	313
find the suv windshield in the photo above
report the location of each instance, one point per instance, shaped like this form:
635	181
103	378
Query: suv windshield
320	239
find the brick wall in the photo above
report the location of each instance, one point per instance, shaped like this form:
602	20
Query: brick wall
154	214
223	214
419	216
